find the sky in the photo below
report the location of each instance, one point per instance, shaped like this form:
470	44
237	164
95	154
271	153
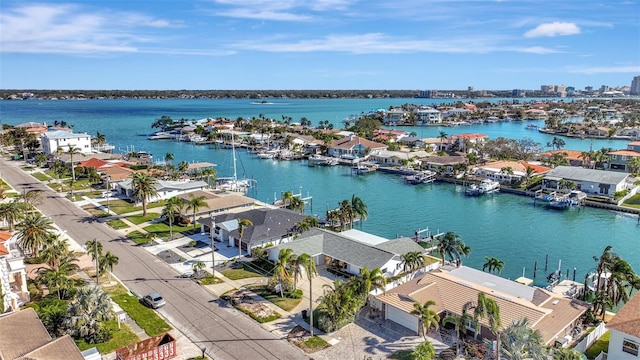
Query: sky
320	44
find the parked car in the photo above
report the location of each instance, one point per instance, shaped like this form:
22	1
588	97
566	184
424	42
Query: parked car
154	300
187	274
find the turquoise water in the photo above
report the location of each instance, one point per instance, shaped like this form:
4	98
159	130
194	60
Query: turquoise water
504	226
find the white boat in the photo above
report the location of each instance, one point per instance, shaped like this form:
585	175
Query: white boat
267	154
531	127
422	177
486	186
233	183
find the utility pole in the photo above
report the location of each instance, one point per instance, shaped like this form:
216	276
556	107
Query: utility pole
212	230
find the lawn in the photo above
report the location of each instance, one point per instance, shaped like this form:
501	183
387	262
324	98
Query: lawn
117	224
121	337
313	344
146	318
41	176
139	219
209	279
633	201
599	346
138	237
241	271
283	303
120	206
161	229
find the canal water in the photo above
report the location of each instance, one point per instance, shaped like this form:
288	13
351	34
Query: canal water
504	226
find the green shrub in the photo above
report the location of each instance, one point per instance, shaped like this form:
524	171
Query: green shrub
296	294
139	167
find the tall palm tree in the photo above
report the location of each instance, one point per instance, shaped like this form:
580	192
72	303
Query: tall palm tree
450	245
460	323
281	270
369	280
143	188
346	214
412	260
11	212
360	209
107	262
520	342
195	203
168	158
54	250
242	224
493	265
34	232
566	354
308	264
487	308
72	150
428	317
442	136
172	206
333	217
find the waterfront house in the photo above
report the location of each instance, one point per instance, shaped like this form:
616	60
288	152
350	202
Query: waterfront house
25	337
389	135
33	127
13	275
508	172
462	142
456	112
386	158
428	116
444	165
619	159
166	189
411	141
60	140
574	157
269	226
590	181
553	315
354	147
349	251
624	341
395	116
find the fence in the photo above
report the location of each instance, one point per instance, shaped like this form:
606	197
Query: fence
588	340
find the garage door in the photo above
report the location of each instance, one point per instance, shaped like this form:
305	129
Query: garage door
403	318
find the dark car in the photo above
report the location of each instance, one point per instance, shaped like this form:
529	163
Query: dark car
154	300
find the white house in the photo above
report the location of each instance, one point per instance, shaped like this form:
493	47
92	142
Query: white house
624	342
590	181
60	139
13	275
351	250
427	116
165	189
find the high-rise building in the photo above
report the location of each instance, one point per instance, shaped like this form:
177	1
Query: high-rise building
635	86
518	93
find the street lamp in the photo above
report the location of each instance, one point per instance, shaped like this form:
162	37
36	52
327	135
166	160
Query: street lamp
212	230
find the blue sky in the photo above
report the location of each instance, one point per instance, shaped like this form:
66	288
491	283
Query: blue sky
323	44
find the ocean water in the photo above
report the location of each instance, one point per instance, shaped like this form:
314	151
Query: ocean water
504	226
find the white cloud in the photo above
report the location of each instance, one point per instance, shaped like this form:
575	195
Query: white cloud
553	29
633	69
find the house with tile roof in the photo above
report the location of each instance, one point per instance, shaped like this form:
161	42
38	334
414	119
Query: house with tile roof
444	165
166	189
574	157
386	158
619	160
13	274
24	337
624	342
60	139
497	170
351	250
269	226
452	289
590	181
353	146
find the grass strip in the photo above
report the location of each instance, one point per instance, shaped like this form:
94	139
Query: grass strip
146	318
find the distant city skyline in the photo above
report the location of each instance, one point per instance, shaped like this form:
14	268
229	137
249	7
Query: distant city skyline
323	44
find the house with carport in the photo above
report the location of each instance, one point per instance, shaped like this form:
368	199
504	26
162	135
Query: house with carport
349	251
554	316
624	327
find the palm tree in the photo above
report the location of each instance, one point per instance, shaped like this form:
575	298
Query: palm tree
528	175
450	245
198	267
72	150
168	158
427	316
54	249
493	265
566	354
424	351
634	166
308	264
242	224
520	342
333	217
346	214
360	209
143	188
107	262
90	306
281	268
460	323
369	280
443	136
412	260
173	205
195	203
487	308
11	212
34	232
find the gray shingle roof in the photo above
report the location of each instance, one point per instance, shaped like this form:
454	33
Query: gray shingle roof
267	223
400	246
592	175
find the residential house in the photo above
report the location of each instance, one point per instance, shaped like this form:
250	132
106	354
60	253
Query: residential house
354	147
13	275
552	315
411	141
428	116
386	158
60	140
456	112
574	157
218	202
463	142
166	189
394	116
269	226
624	341
33	127
444	165
619	160
508	172
389	135
25	337
590	181
350	251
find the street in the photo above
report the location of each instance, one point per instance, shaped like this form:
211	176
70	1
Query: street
225	332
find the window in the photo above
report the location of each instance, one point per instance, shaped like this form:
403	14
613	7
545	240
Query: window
630	347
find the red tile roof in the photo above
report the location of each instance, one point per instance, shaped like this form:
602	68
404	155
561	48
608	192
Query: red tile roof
627	320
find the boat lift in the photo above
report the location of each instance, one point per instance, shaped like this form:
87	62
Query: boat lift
428	238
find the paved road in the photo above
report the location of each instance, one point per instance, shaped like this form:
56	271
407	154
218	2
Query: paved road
223	331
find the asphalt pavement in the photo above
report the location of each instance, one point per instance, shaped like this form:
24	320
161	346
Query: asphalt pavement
224	332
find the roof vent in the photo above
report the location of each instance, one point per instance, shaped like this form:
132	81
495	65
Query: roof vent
555	302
